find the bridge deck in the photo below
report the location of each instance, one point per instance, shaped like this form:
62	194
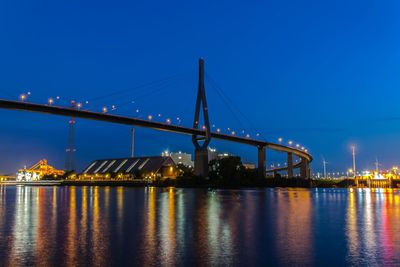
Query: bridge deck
84	114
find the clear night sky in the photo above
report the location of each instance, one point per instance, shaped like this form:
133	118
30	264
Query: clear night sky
321	73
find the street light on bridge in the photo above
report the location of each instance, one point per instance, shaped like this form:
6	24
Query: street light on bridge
22	97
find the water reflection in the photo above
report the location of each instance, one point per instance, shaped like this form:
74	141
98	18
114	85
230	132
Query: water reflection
372	227
101	226
294	227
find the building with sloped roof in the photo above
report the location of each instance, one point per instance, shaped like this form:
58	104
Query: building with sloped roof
155	167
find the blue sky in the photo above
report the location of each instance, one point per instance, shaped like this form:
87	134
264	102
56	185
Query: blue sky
324	74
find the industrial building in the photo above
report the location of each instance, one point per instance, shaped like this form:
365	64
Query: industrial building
152	168
38	171
182	158
186	159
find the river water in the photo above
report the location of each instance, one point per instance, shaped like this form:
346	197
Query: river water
117	226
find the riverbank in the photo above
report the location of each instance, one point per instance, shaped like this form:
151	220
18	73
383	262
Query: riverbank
201	183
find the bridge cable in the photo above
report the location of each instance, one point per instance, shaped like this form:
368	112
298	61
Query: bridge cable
232	106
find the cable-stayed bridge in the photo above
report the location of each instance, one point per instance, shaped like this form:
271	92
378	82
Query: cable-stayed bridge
201	135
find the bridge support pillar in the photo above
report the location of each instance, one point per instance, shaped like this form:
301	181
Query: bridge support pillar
261	167
305	169
201	162
290	165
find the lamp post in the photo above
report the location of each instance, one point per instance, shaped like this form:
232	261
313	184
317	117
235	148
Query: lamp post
353	149
324	163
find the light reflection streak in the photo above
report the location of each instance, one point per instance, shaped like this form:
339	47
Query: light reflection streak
71	236
150	224
369	238
72	225
167	228
43	252
352	229
97	238
372	227
294	227
24	227
213	223
83	224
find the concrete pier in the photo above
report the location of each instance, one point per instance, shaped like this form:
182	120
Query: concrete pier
290	164
261	161
305	169
201	162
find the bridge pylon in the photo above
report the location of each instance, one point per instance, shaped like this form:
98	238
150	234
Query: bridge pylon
201	149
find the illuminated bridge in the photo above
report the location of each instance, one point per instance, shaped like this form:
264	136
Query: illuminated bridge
201	137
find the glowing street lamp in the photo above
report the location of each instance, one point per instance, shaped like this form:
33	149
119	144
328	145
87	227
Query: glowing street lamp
50	101
22	97
280	139
104	109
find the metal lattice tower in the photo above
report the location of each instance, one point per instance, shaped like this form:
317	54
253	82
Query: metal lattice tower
70	151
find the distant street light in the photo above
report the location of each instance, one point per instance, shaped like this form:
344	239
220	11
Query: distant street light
22	97
353	149
324	163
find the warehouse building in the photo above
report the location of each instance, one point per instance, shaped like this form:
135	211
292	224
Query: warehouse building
152	168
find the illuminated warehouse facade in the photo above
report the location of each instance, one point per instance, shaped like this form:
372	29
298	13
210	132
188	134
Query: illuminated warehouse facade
130	168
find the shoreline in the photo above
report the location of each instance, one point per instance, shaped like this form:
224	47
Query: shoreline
268	183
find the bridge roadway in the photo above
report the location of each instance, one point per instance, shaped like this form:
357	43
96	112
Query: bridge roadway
305	157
